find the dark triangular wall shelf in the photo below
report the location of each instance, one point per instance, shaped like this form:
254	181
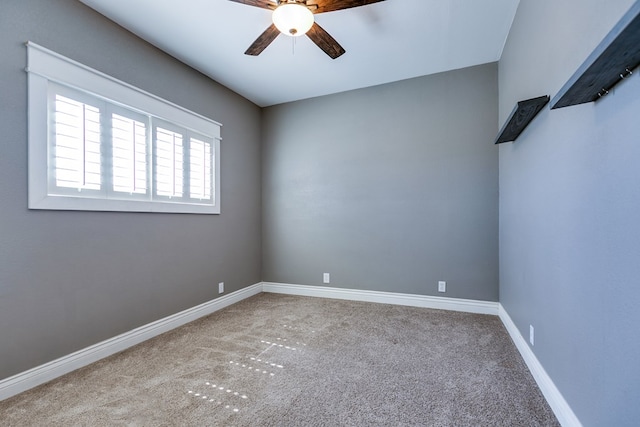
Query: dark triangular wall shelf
613	60
520	117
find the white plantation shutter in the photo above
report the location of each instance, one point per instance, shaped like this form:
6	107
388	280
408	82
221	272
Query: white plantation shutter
76	145
105	151
97	143
200	169
129	155
169	161
183	165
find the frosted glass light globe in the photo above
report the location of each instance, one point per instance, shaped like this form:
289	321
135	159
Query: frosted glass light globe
292	19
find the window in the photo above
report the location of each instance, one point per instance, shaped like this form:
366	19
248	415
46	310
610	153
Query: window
96	143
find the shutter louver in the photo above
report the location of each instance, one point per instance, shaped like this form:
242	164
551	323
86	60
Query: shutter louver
76	148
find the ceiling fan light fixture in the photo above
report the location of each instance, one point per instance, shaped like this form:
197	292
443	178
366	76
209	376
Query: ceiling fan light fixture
292	19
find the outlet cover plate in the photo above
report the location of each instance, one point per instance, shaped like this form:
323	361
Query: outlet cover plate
326	278
221	287
442	286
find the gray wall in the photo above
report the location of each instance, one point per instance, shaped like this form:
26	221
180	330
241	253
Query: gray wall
71	279
389	188
569	213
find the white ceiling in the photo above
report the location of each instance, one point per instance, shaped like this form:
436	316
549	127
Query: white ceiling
387	41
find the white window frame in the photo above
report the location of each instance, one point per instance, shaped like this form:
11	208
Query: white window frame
46	68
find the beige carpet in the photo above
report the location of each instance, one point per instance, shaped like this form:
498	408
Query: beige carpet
276	360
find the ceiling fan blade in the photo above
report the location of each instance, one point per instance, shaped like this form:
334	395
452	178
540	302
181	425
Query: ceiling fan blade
263	41
324	41
263	4
321	6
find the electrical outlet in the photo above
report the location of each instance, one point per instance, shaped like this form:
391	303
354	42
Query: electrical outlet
221	287
326	278
531	334
442	286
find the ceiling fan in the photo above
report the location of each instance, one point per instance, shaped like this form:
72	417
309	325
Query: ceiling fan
295	18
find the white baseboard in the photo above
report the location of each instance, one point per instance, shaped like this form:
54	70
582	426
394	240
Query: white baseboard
454	304
560	407
44	373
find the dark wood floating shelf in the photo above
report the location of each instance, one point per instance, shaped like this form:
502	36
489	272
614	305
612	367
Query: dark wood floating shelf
612	61
520	117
